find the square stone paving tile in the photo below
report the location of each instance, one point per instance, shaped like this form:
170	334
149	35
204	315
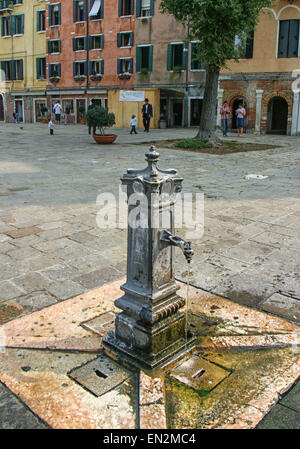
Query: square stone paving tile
31	282
36	300
23	232
9	291
283	306
66	289
23	253
13	415
280	417
98	277
60	272
248	252
276	240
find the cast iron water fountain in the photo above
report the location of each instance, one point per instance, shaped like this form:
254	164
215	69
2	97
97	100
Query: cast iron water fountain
151	330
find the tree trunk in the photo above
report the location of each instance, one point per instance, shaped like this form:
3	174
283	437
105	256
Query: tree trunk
207	129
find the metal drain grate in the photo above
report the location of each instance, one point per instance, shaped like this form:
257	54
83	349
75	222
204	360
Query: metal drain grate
199	374
100	375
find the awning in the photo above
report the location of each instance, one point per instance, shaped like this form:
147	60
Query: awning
95	8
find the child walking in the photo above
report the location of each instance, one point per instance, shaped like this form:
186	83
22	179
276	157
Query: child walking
133	124
51	126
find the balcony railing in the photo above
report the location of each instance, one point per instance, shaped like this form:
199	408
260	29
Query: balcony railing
6	5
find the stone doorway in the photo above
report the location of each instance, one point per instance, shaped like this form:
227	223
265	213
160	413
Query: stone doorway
277	116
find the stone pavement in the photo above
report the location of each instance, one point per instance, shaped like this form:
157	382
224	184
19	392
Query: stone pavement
51	248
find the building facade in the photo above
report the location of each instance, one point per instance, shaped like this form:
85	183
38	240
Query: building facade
22	59
265	80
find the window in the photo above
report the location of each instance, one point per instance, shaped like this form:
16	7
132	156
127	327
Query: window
125	65
54	70
79	68
12	70
288	45
79	10
55	14
68	104
126	7
196	63
79	43
245	48
41	68
144	57
96	42
41	21
54	46
97	67
144	8
125	39
97	9
177	56
12	25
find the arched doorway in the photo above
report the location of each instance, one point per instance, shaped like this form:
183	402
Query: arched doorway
278	109
234	107
1	109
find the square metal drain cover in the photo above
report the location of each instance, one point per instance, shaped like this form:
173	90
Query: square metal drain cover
100	375
199	374
101	324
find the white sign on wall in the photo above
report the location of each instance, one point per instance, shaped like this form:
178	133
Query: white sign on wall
132	95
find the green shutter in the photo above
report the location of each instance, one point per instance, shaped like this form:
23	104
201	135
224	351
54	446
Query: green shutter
38	21
293	39
138	59
12	25
138	8
102	40
283	39
21	69
131	38
50	14
90	43
150	66
119	39
184	55
49	47
2	25
22	24
13	69
38	68
169	57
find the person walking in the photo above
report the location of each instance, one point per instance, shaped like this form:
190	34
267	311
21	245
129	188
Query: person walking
240	120
67	112
57	111
51	126
133	124
147	112
225	116
91	106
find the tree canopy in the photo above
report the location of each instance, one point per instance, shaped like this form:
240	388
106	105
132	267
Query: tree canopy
216	23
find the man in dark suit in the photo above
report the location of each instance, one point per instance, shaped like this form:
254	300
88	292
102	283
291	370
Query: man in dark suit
147	112
92	106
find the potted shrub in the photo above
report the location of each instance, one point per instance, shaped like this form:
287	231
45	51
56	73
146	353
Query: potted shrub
54	78
124	76
98	117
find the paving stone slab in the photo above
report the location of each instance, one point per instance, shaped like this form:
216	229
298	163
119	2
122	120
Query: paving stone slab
31	282
9	291
283	306
66	289
280	417
292	398
13	415
248	252
23	253
23	232
36	300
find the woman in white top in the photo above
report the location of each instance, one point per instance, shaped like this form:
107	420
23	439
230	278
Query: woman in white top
240	121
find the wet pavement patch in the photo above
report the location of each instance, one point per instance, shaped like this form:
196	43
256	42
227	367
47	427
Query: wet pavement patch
100	375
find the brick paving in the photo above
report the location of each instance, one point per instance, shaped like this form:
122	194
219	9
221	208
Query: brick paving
51	248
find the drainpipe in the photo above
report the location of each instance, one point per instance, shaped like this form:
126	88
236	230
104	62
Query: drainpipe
87	45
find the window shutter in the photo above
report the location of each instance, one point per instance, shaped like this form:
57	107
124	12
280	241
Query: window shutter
131	65
102	41
74	10
150	64
151	7
59	69
2	26
59	14
86	12
102	9
293	39
38	21
50	14
22	24
3	70
102	66
283	39
131	38
249	46
91	67
118	66
120	7
85	67
13	69
49	47
74	43
85	42
138	8
119	39
12	25
90	42
21	69
131	7
59	46
169	57
138	59
184	55
74	68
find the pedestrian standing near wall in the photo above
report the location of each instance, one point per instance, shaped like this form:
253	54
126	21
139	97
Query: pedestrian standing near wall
240	120
225	116
57	111
147	112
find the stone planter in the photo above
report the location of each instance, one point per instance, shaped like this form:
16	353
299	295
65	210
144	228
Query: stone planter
107	138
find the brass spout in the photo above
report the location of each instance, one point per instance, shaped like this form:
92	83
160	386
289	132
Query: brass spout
177	241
